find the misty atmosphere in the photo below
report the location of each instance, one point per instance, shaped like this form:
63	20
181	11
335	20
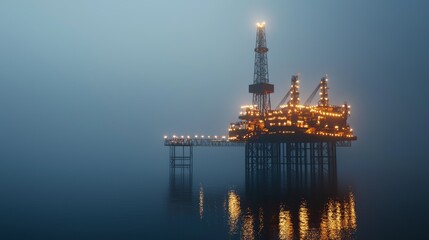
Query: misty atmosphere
88	89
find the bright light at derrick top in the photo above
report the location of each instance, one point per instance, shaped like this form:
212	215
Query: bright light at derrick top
260	24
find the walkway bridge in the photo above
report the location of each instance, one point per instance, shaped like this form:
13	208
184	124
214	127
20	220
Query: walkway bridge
258	154
181	148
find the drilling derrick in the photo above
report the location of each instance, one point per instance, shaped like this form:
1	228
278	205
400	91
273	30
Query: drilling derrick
294	91
261	88
324	99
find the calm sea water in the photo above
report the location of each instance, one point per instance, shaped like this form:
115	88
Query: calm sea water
129	192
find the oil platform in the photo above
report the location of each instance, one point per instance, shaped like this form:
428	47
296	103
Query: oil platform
290	134
297	132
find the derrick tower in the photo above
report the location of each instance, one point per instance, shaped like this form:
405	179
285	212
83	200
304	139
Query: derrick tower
261	88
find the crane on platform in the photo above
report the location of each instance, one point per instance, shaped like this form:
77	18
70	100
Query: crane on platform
284	99
293	93
310	98
323	87
324	100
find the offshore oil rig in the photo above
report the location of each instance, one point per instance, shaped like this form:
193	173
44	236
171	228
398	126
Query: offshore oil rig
291	187
289	121
291	133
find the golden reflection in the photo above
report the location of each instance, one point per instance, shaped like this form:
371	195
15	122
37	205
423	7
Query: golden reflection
324	233
303	220
234	211
201	203
352	211
335	220
338	219
333	225
247	228
285	224
346	217
338	216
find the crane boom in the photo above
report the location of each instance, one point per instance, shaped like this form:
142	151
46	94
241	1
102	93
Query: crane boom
308	101
284	99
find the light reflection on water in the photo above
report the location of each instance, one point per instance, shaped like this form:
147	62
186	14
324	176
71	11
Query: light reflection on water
247	229
338	218
303	220
337	221
234	211
285	224
201	202
276	206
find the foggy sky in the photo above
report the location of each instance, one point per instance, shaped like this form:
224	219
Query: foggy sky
129	72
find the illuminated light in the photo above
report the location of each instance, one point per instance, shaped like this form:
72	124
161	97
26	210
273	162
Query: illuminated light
165	137
215	137
174	136
260	25
196	136
223	137
248	106
202	136
182	137
188	137
208	136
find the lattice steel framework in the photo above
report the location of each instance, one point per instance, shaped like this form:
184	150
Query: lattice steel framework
324	98
295	156
181	156
294	91
261	88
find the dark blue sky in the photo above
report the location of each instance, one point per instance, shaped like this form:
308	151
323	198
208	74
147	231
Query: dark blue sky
130	72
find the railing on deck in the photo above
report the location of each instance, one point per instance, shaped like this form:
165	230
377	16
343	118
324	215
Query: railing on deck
203	142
